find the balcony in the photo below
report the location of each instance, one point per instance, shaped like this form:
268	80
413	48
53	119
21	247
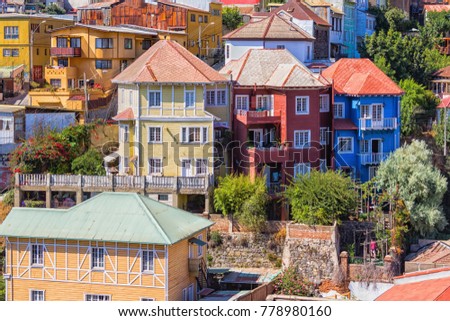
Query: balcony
258	117
372	158
65	52
268	155
60	72
382	124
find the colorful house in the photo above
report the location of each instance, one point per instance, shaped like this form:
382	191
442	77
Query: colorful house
113	247
366	116
282	118
21	33
83	60
171	108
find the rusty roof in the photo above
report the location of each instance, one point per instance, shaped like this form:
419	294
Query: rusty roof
272	27
436	7
360	77
168	62
437	253
98	5
239	2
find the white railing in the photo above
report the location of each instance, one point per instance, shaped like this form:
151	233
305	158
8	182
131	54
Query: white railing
257	113
372	158
129	181
33	179
371	124
159	181
95	181
64	180
192	182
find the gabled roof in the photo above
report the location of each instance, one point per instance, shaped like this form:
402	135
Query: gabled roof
127	114
300	11
271	68
429	290
112	217
119	29
239	2
272	27
443	72
434	253
359	77
168	62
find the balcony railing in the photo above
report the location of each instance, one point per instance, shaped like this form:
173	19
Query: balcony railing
115	182
65	52
382	124
258	116
372	158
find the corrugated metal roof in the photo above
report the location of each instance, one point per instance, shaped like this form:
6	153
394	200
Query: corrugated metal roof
119	29
113	217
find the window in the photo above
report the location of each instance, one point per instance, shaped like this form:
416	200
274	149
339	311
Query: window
56	83
308	54
345	145
200	19
63	62
103	64
75	42
104	43
10	52
80	83
146	43
192	17
124	135
154	166
280	46
228	51
210	97
37	254
154	135
97	297
365	111
11	32
200	247
201	166
302	105
188	293
163	197
128	43
324	103
45	51
98	258
372	171
154	98
71	83
241	102
37	295
194	134
221	97
213	38
35	27
364	146
263	102
323	165
61	42
189	99
324	135
216	97
302	169
37	51
147	261
147	299
338	110
301	138
205	19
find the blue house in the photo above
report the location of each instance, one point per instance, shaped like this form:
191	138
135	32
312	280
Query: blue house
366	116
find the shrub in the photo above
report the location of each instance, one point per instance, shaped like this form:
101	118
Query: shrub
8	198
289	282
216	239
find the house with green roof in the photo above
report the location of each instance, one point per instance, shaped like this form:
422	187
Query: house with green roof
115	246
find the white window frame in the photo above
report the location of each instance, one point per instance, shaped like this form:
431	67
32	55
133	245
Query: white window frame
153	103
148	268
97	258
185	133
153	170
211	101
324	103
221	100
37	256
200	247
297	143
239	102
186	99
339	144
306	108
124	133
302	169
323	135
364	146
97	297
337	109
201	163
40	295
264	102
153	141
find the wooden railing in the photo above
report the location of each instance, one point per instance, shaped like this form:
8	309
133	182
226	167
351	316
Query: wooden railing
115	181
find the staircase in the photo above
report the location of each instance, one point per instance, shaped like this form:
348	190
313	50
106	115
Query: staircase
202	279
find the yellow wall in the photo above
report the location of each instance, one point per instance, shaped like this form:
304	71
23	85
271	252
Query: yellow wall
41	46
67	274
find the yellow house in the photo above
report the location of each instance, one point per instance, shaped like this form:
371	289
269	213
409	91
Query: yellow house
84	59
171	105
21	33
115	246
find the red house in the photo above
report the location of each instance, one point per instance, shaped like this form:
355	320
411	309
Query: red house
281	120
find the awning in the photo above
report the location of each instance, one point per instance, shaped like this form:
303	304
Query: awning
111	158
197	241
221	125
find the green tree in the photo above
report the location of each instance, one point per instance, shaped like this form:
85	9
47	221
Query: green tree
231	18
408	175
238	195
396	19
418	102
90	163
321	198
53	8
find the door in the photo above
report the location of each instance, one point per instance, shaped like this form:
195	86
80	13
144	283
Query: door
377	116
376	149
256	137
186	168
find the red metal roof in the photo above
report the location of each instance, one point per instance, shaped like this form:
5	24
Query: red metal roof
428	290
238	2
445	102
127	114
360	77
344	124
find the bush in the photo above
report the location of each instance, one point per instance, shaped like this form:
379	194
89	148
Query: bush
289	282
90	163
33	203
8	198
216	239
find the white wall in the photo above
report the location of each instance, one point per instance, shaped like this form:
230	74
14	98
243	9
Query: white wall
123	96
200	4
298	48
237	48
306	25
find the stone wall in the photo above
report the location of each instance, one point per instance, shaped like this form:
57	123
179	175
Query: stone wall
313	250
224	225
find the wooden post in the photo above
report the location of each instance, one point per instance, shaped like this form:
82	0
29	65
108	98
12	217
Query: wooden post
48	193
79	193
